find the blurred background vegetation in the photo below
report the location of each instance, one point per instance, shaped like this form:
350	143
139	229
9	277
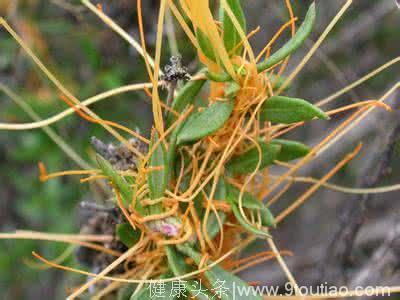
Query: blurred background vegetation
89	58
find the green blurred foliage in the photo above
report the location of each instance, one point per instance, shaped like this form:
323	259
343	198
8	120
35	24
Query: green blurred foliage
75	50
88	58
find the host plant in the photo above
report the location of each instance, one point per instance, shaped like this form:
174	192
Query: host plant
198	191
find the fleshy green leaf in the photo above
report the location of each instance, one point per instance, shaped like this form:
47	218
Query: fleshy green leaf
172	151
287	49
185	96
185	182
145	292
118	181
248	200
178	266
267	218
220	190
213	227
157	179
285	110
218	277
295	43
212	223
223	77
176	262
127	234
244	223
231	35
290	149
125	292
231	90
277	81
251	203
203	123
247	162
205	45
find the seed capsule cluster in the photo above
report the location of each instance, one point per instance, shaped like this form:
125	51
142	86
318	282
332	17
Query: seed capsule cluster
102	221
120	157
175	71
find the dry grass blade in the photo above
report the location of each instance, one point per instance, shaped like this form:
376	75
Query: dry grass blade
312	190
285	268
104	272
351	86
50	132
344	189
70	239
71	110
58	84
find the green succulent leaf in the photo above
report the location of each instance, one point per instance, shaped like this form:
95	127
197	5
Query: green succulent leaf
291	46
203	123
145	291
143	294
290	150
267	218
249	202
231	90
220	190
285	110
178	266
118	182
205	45
213	227
295	43
125	293
157	179
231	35
185	96
277	81
248	161
172	152
176	262
185	182
127	234
223	77
250	228
217	276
